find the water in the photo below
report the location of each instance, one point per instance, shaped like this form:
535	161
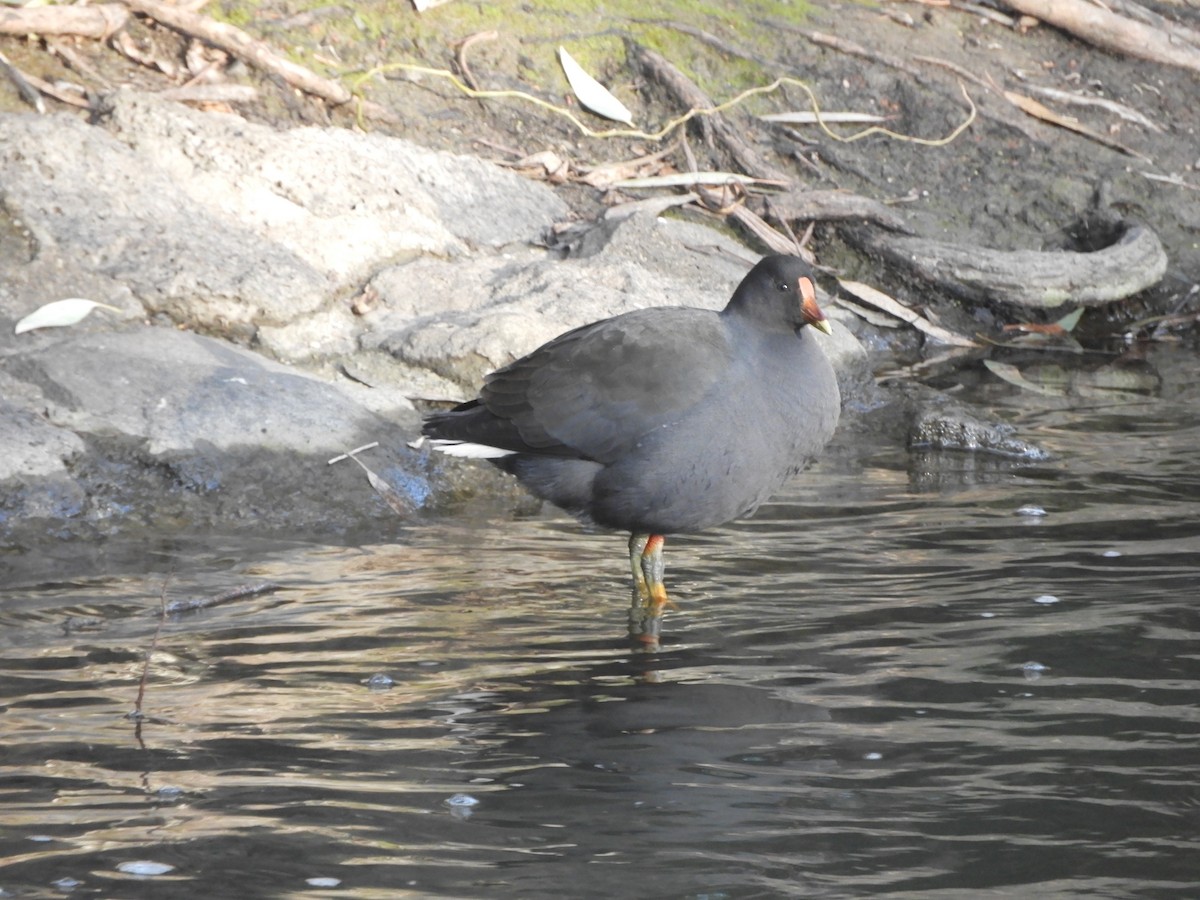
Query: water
889	682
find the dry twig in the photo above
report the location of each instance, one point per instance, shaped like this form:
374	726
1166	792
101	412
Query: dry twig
238	593
22	83
1032	107
1119	109
100	21
251	51
460	56
162	618
715	126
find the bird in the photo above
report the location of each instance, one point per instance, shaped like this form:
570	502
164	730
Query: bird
663	420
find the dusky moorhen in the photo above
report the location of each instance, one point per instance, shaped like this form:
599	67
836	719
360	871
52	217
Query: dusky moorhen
662	420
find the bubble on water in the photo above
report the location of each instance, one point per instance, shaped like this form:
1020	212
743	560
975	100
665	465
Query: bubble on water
40	838
1111	554
987	615
1031	510
145	867
323	882
1045	599
380	682
462	806
1033	670
66	883
873	756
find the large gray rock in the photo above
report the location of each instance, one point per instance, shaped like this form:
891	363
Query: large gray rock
217	433
235	228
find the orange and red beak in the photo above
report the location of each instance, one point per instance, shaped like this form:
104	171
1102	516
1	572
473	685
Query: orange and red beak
809	309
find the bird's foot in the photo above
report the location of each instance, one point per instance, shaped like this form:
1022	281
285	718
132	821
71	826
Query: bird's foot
645	622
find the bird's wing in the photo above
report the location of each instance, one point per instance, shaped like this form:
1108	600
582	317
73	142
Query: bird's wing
595	391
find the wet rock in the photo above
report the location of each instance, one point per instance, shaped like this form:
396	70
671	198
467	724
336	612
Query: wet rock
942	424
165	425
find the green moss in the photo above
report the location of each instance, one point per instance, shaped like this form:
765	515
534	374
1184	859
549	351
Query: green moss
373	32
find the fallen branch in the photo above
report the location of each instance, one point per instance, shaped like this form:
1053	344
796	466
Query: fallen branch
756	225
828	206
1176	30
1118	109
249	50
715	127
1133	261
1099	26
1032	107
100	21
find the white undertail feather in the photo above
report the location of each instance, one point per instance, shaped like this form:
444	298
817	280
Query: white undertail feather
468	450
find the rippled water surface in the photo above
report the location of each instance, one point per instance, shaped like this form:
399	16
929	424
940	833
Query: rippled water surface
888	682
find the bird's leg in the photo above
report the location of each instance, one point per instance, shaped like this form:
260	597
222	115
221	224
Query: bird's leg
637	546
650	594
653	568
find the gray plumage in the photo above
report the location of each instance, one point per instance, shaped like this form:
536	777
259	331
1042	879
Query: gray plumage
664	420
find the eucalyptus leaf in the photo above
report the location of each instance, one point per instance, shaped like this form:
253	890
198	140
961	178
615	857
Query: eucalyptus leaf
60	313
1068	322
687	179
591	93
830	118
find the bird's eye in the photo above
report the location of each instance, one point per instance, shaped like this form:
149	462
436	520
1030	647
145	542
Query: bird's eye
783	286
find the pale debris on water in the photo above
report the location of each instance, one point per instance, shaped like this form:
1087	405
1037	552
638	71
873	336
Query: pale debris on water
145	867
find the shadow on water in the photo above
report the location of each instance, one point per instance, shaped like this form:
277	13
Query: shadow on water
888	682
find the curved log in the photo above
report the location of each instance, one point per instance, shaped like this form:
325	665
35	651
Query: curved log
1133	261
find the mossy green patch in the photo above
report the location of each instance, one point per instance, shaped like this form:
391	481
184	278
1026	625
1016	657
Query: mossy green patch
370	34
